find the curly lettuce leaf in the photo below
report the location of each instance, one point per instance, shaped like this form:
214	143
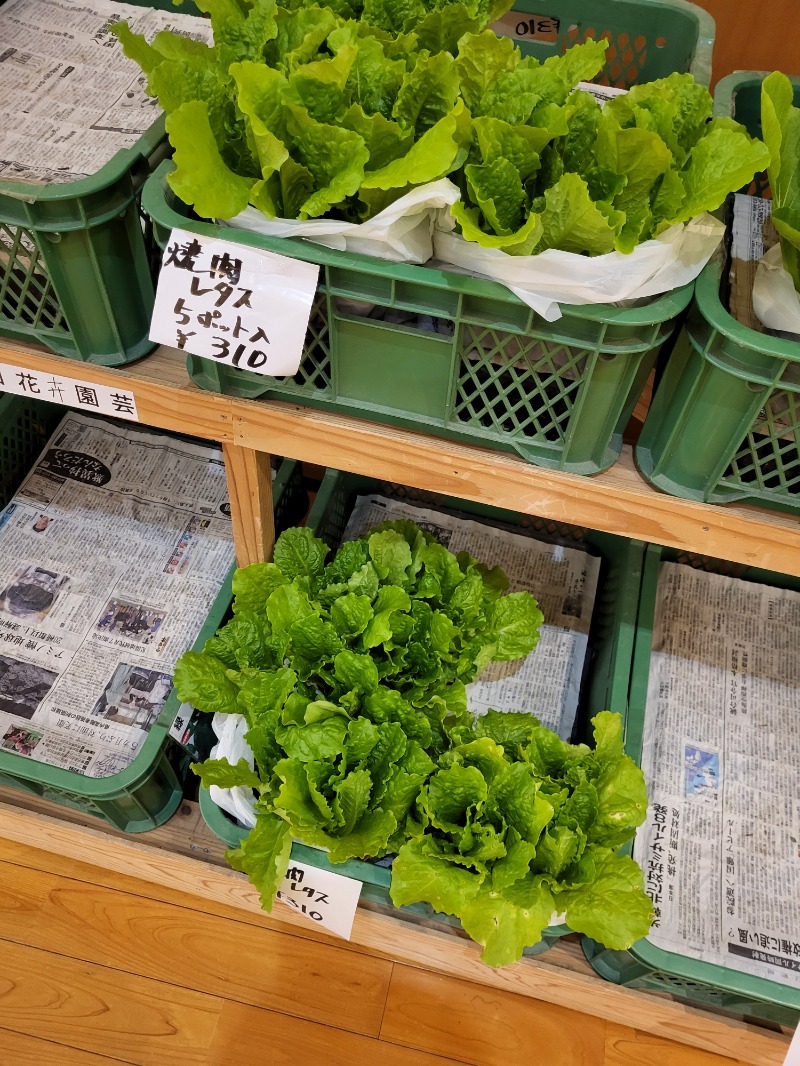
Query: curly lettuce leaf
203	681
201	177
523	242
481	59
723	160
780	122
428	93
496	188
264	856
572	222
505	922
613	907
320	86
225	774
334	157
582	62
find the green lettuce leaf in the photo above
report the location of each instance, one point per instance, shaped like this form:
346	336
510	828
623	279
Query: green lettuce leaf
440	150
780	121
203	681
496	187
227	775
201	177
613	908
504	923
523	242
264	856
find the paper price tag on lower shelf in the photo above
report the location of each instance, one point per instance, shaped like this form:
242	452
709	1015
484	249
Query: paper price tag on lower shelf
328	900
233	304
57	388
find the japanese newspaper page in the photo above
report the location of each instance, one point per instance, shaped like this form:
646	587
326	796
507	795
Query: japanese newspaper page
69	98
721	757
563	580
112	553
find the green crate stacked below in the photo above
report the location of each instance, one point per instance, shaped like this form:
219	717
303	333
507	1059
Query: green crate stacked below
25	426
724	424
645	965
473	363
606	672
648	39
77	259
146	793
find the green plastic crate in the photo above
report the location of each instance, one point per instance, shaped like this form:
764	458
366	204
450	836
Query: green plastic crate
25	426
76	259
724	424
148	791
558	394
649	39
143	795
644	965
608	658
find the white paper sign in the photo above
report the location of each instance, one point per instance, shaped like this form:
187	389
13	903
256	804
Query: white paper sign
328	900
233	304
57	388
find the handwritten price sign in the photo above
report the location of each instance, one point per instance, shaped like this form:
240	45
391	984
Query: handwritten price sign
328	900
233	304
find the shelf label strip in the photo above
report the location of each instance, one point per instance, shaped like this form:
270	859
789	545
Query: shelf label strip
71	392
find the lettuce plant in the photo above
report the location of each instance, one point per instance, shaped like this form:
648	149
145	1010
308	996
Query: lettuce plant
516	825
550	168
304	110
349	676
780	122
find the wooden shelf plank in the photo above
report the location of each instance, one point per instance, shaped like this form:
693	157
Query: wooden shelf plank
617	501
386	936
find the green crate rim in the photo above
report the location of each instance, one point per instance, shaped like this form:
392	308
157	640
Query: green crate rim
116	169
120	164
708	283
721	978
141	767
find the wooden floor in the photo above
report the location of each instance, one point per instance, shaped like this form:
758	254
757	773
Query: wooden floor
98	968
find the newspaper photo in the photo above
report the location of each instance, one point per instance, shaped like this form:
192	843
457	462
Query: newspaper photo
112	554
69	98
721	847
564	581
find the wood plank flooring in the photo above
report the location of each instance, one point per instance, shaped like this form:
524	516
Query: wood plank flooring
93	974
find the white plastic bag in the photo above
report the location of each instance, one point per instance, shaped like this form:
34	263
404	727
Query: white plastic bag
240	801
542	281
401	232
776	302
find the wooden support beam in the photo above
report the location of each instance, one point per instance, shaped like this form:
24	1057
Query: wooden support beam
249	476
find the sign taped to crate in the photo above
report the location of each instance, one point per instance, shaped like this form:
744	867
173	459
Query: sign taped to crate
57	388
233	304
522	26
327	899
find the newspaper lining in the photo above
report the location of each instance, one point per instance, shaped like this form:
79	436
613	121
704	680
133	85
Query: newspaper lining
69	98
720	850
112	554
563	580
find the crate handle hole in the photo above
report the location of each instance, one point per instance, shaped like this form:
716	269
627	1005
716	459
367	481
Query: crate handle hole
755	386
608	357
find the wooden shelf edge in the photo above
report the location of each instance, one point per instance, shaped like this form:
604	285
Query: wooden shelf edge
378	933
617	501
